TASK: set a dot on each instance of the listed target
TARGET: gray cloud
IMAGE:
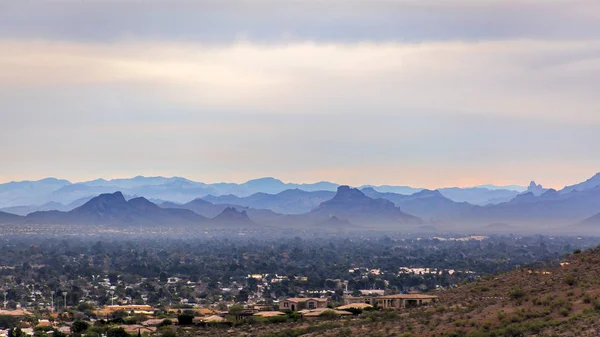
(325, 21)
(429, 93)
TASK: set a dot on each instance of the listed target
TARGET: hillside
(553, 300)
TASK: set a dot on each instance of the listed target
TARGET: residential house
(296, 304)
(397, 301)
(404, 300)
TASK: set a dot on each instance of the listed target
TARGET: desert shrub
(460, 323)
(570, 280)
(345, 332)
(478, 334)
(166, 331)
(165, 322)
(277, 319)
(517, 294)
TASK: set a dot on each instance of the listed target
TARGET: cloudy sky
(427, 93)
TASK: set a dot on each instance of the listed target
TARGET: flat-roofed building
(400, 301)
(397, 301)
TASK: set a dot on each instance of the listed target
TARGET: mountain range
(348, 207)
(36, 195)
(114, 210)
(537, 208)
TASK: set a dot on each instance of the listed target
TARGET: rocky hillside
(547, 300)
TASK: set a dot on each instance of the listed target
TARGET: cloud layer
(429, 93)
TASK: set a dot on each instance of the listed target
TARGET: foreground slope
(557, 299)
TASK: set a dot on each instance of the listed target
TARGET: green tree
(242, 296)
(185, 319)
(15, 332)
(236, 311)
(8, 321)
(79, 326)
(116, 332)
(165, 322)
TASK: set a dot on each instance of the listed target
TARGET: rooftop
(409, 297)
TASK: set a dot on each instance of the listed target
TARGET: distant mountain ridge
(181, 190)
(293, 201)
(113, 209)
(427, 204)
(586, 185)
(347, 208)
(297, 206)
(354, 206)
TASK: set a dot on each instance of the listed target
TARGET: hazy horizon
(524, 185)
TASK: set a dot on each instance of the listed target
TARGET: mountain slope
(592, 222)
(425, 204)
(29, 192)
(353, 205)
(231, 217)
(210, 210)
(478, 195)
(552, 207)
(112, 209)
(586, 185)
(9, 218)
(294, 201)
(24, 210)
(199, 206)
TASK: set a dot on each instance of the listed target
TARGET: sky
(428, 93)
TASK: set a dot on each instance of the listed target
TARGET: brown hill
(558, 299)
